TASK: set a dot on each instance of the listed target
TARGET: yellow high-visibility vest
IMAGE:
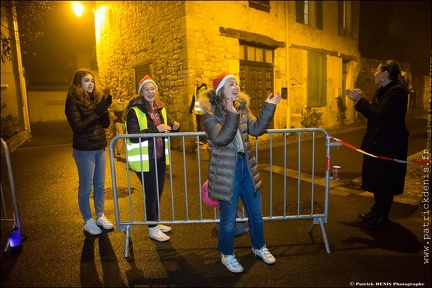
(197, 108)
(138, 153)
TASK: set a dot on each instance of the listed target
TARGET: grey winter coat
(221, 128)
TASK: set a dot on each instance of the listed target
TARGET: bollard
(15, 239)
(336, 172)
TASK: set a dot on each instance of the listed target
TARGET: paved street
(57, 253)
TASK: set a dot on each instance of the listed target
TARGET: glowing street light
(78, 9)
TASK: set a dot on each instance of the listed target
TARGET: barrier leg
(320, 221)
(126, 251)
(6, 246)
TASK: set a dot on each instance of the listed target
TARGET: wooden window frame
(260, 5)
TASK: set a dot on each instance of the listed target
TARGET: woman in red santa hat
(233, 170)
(147, 114)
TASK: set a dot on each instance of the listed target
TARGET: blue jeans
(243, 188)
(91, 173)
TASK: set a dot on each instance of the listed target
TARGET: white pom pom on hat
(220, 80)
(145, 80)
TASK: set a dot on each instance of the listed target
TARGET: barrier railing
(14, 238)
(293, 189)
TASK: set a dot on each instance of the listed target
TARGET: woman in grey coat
(233, 170)
(386, 135)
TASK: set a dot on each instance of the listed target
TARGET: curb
(17, 140)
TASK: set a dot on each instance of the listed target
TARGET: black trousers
(383, 203)
(153, 187)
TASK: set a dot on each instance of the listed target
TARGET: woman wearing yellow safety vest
(147, 114)
(194, 106)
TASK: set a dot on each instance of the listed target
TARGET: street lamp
(78, 9)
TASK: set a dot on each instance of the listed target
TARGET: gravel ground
(416, 175)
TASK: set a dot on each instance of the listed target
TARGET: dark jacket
(88, 128)
(221, 128)
(386, 135)
(132, 124)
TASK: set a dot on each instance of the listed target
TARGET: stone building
(308, 50)
(14, 113)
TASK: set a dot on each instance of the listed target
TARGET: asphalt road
(57, 253)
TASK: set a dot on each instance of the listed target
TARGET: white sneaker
(104, 222)
(265, 255)
(156, 234)
(164, 228)
(91, 227)
(231, 263)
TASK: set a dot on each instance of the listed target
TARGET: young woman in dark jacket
(386, 135)
(86, 112)
(233, 171)
(147, 114)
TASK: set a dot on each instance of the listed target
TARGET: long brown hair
(221, 99)
(77, 92)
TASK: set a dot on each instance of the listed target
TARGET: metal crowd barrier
(286, 196)
(14, 238)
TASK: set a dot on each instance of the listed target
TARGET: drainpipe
(287, 45)
(23, 88)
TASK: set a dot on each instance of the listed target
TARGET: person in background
(117, 111)
(147, 114)
(233, 170)
(195, 108)
(86, 110)
(386, 135)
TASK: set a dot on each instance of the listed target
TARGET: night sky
(64, 35)
(398, 30)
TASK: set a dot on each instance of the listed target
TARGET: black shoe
(368, 216)
(377, 223)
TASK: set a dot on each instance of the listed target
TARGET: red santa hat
(220, 80)
(145, 80)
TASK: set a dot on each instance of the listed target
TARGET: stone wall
(13, 108)
(137, 36)
(179, 40)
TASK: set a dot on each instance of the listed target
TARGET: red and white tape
(427, 162)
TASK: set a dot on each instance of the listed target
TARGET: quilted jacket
(88, 129)
(221, 128)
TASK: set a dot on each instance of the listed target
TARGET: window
(317, 76)
(302, 12)
(319, 15)
(348, 18)
(310, 13)
(260, 5)
(256, 54)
